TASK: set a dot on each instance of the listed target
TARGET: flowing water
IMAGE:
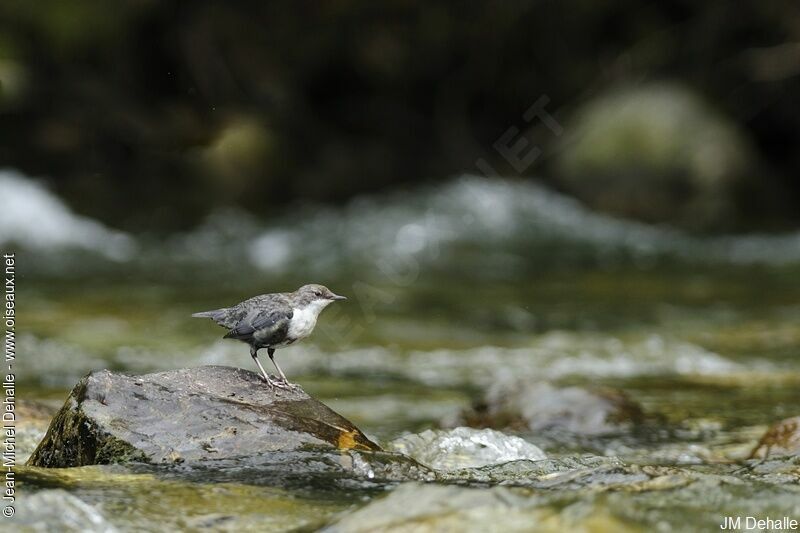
(453, 290)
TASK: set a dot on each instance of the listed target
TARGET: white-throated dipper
(272, 321)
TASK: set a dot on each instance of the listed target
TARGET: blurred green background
(148, 115)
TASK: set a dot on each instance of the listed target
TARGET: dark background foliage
(148, 114)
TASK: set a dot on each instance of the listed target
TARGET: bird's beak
(337, 297)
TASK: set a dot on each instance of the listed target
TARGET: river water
(453, 290)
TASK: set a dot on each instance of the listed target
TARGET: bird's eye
(317, 293)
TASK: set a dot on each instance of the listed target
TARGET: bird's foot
(285, 385)
(271, 383)
(281, 383)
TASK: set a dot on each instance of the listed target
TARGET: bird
(273, 321)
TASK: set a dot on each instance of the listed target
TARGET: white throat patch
(304, 319)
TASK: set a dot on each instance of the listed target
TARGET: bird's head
(315, 295)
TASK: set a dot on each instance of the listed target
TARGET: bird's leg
(271, 352)
(254, 355)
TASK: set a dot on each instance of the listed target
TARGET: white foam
(465, 448)
(496, 217)
(33, 217)
(500, 224)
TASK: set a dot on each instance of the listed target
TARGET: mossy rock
(525, 406)
(195, 414)
(661, 154)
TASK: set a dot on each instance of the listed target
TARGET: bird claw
(269, 382)
(285, 385)
(279, 383)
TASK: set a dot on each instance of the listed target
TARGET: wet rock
(540, 407)
(421, 508)
(595, 496)
(598, 473)
(192, 414)
(465, 448)
(271, 492)
(333, 469)
(582, 471)
(782, 438)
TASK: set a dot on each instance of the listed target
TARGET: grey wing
(260, 320)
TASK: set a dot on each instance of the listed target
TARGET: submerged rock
(204, 413)
(782, 438)
(579, 471)
(541, 406)
(593, 496)
(465, 448)
(413, 507)
(272, 492)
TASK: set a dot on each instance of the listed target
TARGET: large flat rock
(195, 414)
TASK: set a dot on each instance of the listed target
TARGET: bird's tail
(213, 315)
